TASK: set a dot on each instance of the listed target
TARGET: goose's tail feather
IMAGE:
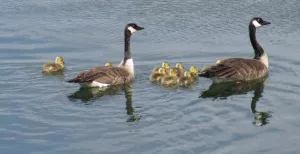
(73, 80)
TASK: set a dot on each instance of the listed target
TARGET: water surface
(44, 114)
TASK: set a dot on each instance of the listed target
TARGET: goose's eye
(258, 20)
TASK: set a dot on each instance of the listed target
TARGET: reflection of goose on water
(89, 95)
(260, 118)
(241, 69)
(226, 89)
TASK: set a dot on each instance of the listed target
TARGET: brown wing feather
(237, 69)
(107, 75)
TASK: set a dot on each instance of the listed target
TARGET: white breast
(264, 59)
(129, 66)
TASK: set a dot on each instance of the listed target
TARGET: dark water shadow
(224, 90)
(89, 95)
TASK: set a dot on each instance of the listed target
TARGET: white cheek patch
(131, 29)
(256, 24)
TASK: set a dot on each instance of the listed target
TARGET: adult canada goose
(56, 66)
(242, 69)
(171, 79)
(115, 75)
(187, 79)
(157, 76)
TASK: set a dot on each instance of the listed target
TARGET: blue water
(44, 114)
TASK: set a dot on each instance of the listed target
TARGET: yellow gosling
(194, 72)
(165, 65)
(56, 66)
(171, 79)
(180, 69)
(219, 62)
(108, 64)
(157, 76)
(186, 80)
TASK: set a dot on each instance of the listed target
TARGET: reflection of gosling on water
(187, 79)
(56, 66)
(194, 72)
(165, 65)
(157, 76)
(171, 79)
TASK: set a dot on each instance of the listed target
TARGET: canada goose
(187, 79)
(242, 69)
(115, 75)
(171, 79)
(194, 72)
(108, 64)
(180, 69)
(56, 66)
(157, 76)
(165, 65)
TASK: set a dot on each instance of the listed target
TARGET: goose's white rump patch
(98, 84)
(95, 84)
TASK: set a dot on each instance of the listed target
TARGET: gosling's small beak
(266, 22)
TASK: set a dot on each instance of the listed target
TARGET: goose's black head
(258, 22)
(132, 27)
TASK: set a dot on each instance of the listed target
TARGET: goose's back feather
(236, 69)
(105, 75)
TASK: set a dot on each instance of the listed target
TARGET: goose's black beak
(139, 28)
(266, 22)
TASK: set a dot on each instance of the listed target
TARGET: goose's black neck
(258, 50)
(127, 53)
